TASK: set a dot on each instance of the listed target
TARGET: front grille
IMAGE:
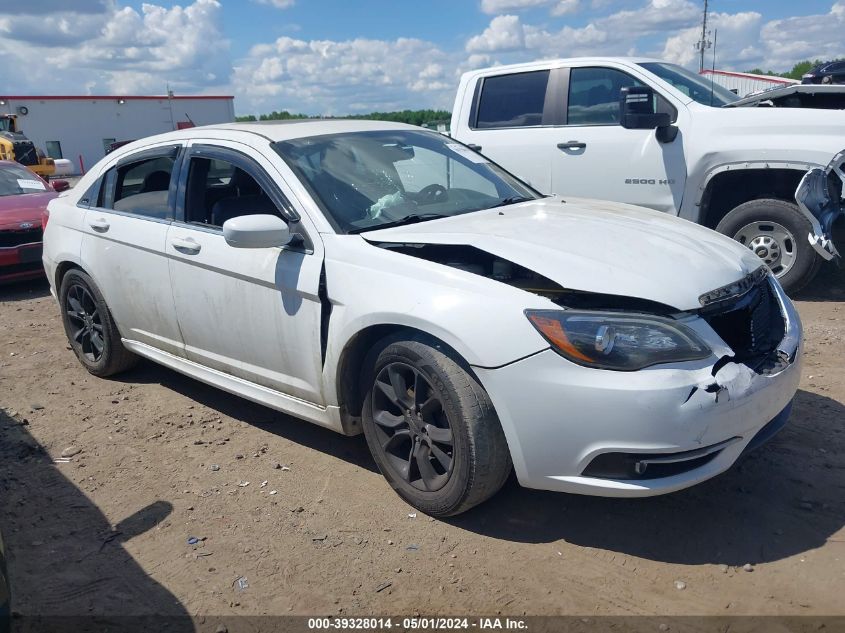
(752, 324)
(25, 153)
(26, 267)
(16, 238)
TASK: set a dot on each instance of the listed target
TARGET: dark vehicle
(827, 73)
(113, 146)
(825, 97)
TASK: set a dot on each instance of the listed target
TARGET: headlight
(623, 342)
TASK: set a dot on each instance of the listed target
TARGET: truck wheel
(777, 232)
(431, 428)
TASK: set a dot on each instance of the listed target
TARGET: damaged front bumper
(649, 432)
(821, 198)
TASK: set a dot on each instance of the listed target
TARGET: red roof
(108, 97)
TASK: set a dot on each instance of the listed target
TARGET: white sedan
(377, 277)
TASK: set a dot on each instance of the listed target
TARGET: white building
(744, 84)
(79, 128)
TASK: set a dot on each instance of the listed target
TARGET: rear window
(140, 187)
(513, 100)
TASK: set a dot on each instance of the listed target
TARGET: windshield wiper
(408, 219)
(510, 200)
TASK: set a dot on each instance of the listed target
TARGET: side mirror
(60, 185)
(256, 231)
(637, 109)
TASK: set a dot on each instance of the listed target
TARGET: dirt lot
(164, 458)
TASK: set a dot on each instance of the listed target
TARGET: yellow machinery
(14, 145)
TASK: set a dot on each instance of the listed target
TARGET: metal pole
(170, 103)
(703, 38)
(713, 71)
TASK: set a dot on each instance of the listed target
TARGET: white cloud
(745, 40)
(669, 29)
(119, 50)
(656, 16)
(339, 77)
(103, 46)
(565, 7)
(805, 37)
(505, 33)
(558, 7)
(493, 7)
(279, 4)
(737, 43)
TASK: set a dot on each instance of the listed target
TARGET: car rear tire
(90, 328)
(431, 427)
(777, 231)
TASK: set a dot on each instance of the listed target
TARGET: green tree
(798, 70)
(801, 68)
(414, 117)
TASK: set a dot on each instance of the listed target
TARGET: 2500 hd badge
(649, 181)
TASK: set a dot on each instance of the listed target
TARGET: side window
(218, 190)
(139, 187)
(513, 100)
(594, 95)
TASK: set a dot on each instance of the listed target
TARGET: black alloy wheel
(430, 425)
(412, 427)
(84, 316)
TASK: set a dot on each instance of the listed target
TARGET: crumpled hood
(596, 246)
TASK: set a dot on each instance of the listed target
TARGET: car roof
(287, 130)
(561, 61)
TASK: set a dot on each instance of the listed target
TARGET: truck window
(594, 95)
(514, 100)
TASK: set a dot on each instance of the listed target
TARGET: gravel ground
(153, 458)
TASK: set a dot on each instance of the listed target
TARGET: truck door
(509, 123)
(595, 157)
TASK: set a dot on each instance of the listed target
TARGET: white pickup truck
(654, 134)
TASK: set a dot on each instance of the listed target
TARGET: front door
(510, 124)
(125, 230)
(251, 313)
(596, 157)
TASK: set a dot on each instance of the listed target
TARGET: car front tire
(777, 232)
(90, 328)
(431, 427)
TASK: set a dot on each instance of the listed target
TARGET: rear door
(125, 227)
(251, 313)
(510, 122)
(595, 157)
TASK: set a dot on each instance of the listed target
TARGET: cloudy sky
(348, 56)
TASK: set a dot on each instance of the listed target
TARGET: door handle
(101, 226)
(474, 147)
(187, 246)
(572, 145)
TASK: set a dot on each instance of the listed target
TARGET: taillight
(45, 215)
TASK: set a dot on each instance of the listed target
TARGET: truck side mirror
(637, 109)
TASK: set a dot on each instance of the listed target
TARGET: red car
(23, 204)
